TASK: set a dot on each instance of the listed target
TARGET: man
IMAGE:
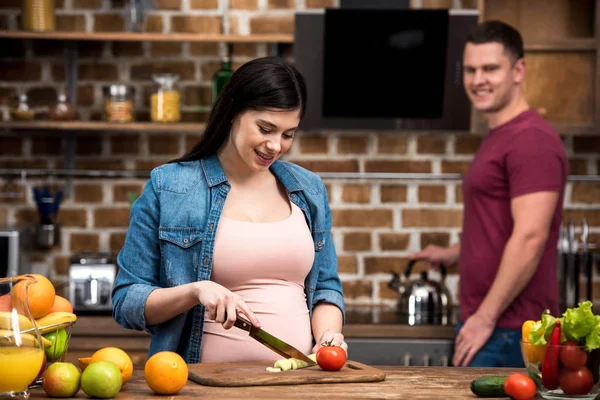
(512, 195)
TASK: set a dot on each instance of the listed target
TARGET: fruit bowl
(56, 337)
(574, 375)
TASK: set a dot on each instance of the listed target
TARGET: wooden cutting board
(254, 374)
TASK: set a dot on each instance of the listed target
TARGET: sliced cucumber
(288, 364)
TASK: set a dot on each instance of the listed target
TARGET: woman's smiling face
(261, 137)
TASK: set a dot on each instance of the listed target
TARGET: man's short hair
(499, 32)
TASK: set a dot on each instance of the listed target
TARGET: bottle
(22, 111)
(62, 110)
(165, 101)
(221, 77)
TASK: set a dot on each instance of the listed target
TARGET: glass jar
(62, 110)
(21, 111)
(118, 103)
(38, 15)
(165, 101)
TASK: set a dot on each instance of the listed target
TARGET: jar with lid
(21, 111)
(165, 101)
(62, 110)
(118, 103)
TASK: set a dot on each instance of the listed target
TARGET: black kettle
(421, 300)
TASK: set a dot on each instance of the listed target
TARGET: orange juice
(18, 367)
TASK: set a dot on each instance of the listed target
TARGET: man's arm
(532, 215)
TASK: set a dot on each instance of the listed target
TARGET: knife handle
(241, 323)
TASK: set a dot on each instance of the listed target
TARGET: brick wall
(376, 222)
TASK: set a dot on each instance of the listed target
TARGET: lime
(59, 340)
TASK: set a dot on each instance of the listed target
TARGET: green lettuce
(592, 340)
(541, 331)
(578, 324)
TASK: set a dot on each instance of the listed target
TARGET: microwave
(14, 242)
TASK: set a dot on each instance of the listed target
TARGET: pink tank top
(266, 263)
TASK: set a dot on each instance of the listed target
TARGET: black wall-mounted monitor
(384, 68)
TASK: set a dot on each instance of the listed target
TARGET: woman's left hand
(332, 338)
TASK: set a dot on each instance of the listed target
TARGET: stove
(427, 344)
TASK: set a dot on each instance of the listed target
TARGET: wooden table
(418, 383)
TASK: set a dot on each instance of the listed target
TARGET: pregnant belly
(282, 312)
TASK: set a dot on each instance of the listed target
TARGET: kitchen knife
(270, 341)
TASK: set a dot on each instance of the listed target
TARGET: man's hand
(436, 255)
(471, 338)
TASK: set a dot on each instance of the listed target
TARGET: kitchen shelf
(148, 36)
(83, 126)
(584, 44)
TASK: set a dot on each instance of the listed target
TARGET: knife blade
(265, 338)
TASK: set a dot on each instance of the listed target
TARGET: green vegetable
(289, 364)
(489, 386)
(578, 324)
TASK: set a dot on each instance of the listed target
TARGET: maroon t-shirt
(522, 156)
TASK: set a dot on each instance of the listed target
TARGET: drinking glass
(21, 347)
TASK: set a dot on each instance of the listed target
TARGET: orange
(40, 296)
(166, 372)
(117, 357)
(84, 362)
(5, 303)
(61, 304)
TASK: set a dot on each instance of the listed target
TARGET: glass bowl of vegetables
(562, 355)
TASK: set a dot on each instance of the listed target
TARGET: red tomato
(572, 356)
(520, 387)
(575, 381)
(331, 358)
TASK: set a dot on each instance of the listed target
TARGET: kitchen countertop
(401, 382)
(361, 322)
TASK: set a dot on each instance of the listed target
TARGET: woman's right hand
(222, 305)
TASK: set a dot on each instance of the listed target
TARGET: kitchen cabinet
(562, 55)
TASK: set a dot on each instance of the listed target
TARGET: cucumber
(489, 386)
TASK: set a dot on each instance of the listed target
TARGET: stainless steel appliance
(14, 242)
(422, 300)
(91, 278)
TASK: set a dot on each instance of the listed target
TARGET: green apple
(101, 379)
(61, 379)
(59, 339)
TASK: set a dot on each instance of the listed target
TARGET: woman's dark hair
(499, 32)
(267, 83)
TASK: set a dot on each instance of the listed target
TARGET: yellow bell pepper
(532, 353)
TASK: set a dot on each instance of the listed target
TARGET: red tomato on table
(331, 358)
(520, 387)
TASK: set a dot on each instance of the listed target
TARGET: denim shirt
(171, 238)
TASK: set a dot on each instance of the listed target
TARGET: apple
(61, 379)
(59, 344)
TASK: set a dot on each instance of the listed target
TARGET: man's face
(490, 77)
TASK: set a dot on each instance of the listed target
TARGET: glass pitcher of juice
(21, 346)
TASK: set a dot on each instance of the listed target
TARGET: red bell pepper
(550, 364)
